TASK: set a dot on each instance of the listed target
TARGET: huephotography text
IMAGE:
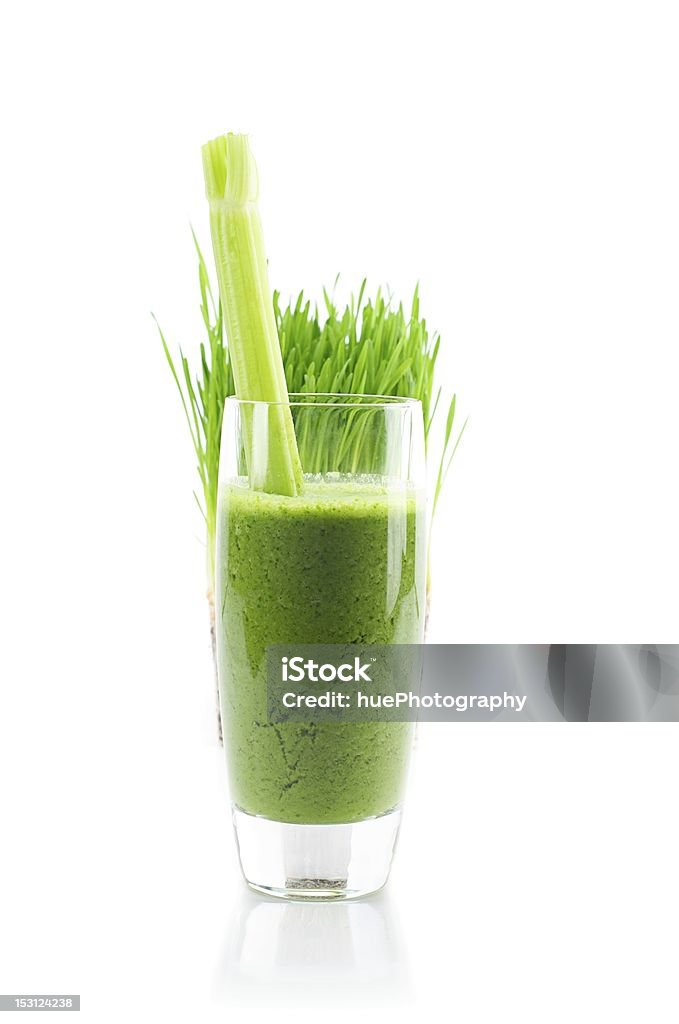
(473, 682)
(413, 701)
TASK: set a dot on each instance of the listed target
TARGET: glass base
(316, 862)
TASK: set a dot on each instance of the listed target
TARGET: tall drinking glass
(317, 805)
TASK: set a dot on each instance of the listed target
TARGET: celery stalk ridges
(232, 188)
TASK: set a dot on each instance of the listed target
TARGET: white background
(519, 159)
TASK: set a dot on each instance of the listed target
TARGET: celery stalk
(232, 190)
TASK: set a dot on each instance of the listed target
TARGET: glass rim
(301, 399)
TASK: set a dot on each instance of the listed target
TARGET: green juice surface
(342, 563)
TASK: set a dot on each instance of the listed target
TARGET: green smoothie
(342, 563)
